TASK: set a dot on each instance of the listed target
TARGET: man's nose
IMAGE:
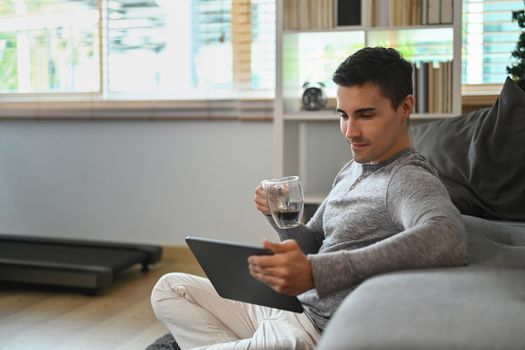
(352, 129)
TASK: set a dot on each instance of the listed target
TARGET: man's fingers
(267, 271)
(274, 282)
(277, 284)
(260, 191)
(287, 271)
(277, 259)
(260, 200)
(281, 247)
(264, 261)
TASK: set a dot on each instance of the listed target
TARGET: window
(49, 46)
(185, 49)
(177, 49)
(489, 36)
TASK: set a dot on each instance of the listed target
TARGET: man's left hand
(288, 271)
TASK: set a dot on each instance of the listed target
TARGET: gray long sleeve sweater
(377, 218)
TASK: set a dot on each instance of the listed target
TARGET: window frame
(481, 94)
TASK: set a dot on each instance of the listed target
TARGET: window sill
(245, 110)
(479, 95)
(478, 100)
(256, 109)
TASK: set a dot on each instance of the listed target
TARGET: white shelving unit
(309, 144)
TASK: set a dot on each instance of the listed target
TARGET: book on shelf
(348, 12)
(432, 87)
(433, 8)
(311, 14)
(379, 13)
(290, 20)
(422, 87)
(447, 11)
(392, 12)
(440, 84)
(389, 13)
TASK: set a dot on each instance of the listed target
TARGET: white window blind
(49, 46)
(191, 48)
(489, 37)
(233, 45)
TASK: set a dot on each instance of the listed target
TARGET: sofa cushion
(480, 306)
(495, 243)
(458, 308)
(481, 156)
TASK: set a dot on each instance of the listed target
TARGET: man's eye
(343, 116)
(366, 116)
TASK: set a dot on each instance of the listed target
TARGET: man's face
(370, 125)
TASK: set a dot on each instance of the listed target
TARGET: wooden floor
(119, 318)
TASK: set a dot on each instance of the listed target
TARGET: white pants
(198, 318)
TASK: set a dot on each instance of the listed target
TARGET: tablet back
(226, 266)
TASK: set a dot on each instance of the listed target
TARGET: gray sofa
(479, 306)
(481, 160)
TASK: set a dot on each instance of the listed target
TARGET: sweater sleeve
(432, 234)
(310, 237)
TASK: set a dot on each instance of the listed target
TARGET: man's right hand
(260, 200)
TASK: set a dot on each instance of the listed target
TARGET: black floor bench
(88, 265)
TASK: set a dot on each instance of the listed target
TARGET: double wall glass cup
(285, 199)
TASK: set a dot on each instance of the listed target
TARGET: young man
(387, 211)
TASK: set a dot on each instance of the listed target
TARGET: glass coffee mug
(285, 199)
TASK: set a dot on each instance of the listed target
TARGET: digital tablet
(226, 266)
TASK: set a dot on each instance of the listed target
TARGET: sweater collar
(368, 167)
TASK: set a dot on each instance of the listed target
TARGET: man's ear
(407, 105)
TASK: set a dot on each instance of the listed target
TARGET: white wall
(134, 181)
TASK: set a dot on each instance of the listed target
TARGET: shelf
(332, 116)
(312, 116)
(324, 30)
(420, 116)
(414, 27)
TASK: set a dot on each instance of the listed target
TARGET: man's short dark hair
(384, 67)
